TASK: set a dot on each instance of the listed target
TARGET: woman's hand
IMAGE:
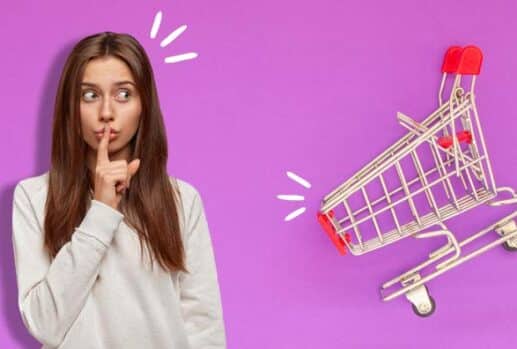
(112, 178)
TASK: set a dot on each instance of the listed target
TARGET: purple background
(311, 87)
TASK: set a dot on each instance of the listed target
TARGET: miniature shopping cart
(438, 170)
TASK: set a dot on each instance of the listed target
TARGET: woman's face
(109, 96)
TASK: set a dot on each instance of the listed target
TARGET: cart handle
(328, 227)
(470, 61)
(451, 60)
(464, 61)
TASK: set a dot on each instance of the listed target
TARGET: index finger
(102, 150)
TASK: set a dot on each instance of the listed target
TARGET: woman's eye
(125, 92)
(122, 95)
(87, 95)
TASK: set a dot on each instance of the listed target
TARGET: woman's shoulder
(35, 186)
(32, 193)
(187, 195)
(187, 190)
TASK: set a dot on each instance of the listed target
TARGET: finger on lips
(103, 159)
(102, 151)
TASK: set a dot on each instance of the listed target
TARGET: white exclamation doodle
(291, 197)
(170, 38)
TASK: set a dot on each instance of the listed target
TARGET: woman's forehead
(107, 71)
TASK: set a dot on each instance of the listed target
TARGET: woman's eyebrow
(116, 83)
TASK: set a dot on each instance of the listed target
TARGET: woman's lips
(99, 135)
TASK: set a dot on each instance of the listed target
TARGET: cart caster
(424, 310)
(508, 228)
(509, 247)
(422, 303)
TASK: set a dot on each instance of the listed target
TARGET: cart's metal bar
(445, 175)
(410, 183)
(473, 146)
(395, 191)
(436, 149)
(418, 129)
(419, 267)
(440, 99)
(389, 152)
(423, 180)
(469, 177)
(448, 250)
(439, 167)
(428, 220)
(459, 156)
(374, 219)
(407, 192)
(465, 120)
(418, 191)
(372, 174)
(455, 143)
(482, 138)
(467, 125)
(352, 220)
(475, 151)
(388, 199)
(511, 200)
(440, 91)
(451, 265)
(456, 149)
(460, 174)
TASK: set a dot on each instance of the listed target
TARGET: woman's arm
(199, 290)
(52, 294)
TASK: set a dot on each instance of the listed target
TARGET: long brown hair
(151, 204)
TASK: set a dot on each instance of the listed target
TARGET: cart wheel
(427, 312)
(509, 248)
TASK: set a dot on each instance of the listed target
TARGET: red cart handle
(451, 60)
(470, 61)
(464, 61)
(324, 220)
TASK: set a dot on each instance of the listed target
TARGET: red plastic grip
(470, 61)
(464, 61)
(463, 136)
(331, 232)
(451, 59)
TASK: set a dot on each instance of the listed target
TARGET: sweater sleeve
(51, 294)
(199, 290)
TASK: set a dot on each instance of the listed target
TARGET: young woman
(110, 251)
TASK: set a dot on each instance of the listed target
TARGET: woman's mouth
(99, 135)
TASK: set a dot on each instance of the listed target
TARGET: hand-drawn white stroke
(294, 214)
(156, 24)
(291, 197)
(172, 36)
(179, 58)
(298, 179)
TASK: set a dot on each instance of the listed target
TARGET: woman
(79, 230)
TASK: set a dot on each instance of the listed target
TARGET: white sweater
(97, 294)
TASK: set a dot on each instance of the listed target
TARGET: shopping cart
(438, 170)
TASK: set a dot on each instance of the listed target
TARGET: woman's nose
(106, 112)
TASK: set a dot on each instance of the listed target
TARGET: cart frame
(461, 154)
